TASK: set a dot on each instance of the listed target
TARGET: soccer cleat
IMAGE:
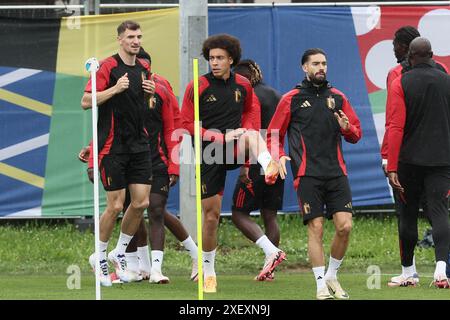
(145, 275)
(441, 282)
(271, 263)
(105, 279)
(194, 272)
(324, 294)
(134, 276)
(271, 277)
(114, 278)
(272, 172)
(120, 264)
(210, 285)
(158, 277)
(336, 289)
(402, 281)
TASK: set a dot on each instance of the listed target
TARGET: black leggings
(434, 183)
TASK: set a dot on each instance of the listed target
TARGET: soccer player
(124, 151)
(227, 115)
(160, 123)
(317, 115)
(402, 39)
(251, 191)
(419, 154)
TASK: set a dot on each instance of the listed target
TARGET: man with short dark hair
(402, 39)
(419, 154)
(316, 116)
(228, 136)
(124, 152)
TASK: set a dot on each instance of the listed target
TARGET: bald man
(419, 154)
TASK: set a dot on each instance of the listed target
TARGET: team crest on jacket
(152, 102)
(237, 95)
(331, 104)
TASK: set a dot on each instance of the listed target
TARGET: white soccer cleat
(402, 281)
(134, 276)
(105, 279)
(158, 277)
(120, 264)
(145, 275)
(441, 282)
(324, 294)
(336, 289)
(194, 272)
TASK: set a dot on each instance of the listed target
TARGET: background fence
(42, 77)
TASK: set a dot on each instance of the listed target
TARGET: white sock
(208, 263)
(132, 261)
(408, 271)
(319, 276)
(157, 259)
(267, 246)
(333, 267)
(264, 159)
(414, 264)
(122, 243)
(144, 259)
(103, 247)
(190, 247)
(440, 269)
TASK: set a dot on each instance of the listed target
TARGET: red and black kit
(224, 105)
(306, 113)
(121, 130)
(161, 120)
(257, 194)
(419, 150)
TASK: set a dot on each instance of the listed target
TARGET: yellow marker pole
(198, 199)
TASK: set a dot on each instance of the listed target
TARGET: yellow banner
(83, 37)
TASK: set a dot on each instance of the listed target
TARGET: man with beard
(316, 115)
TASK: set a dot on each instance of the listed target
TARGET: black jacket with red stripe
(160, 122)
(419, 132)
(401, 68)
(121, 118)
(161, 119)
(224, 105)
(306, 113)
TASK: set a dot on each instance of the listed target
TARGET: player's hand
(173, 179)
(122, 84)
(243, 175)
(149, 85)
(90, 173)
(394, 182)
(283, 170)
(342, 119)
(234, 134)
(84, 154)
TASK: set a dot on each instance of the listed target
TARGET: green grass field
(287, 286)
(34, 258)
